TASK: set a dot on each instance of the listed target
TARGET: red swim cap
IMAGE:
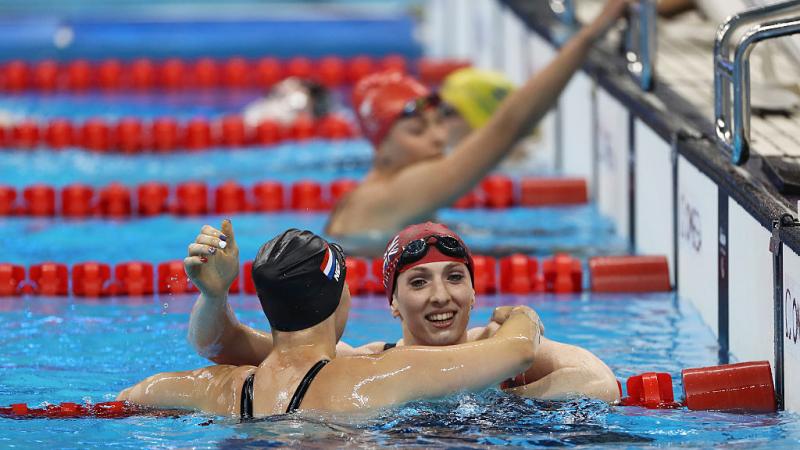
(391, 257)
(379, 100)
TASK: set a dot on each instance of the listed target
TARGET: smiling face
(434, 301)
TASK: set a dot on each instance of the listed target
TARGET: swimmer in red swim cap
(411, 177)
(428, 273)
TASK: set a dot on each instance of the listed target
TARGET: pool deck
(680, 108)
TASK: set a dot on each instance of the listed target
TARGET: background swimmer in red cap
(300, 280)
(428, 281)
(411, 177)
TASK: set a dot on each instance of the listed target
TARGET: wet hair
(299, 279)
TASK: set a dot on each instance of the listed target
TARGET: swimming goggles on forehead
(416, 250)
(417, 106)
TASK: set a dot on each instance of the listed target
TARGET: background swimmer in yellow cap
(474, 95)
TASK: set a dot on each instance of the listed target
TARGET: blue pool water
(71, 349)
(57, 349)
(112, 29)
(580, 231)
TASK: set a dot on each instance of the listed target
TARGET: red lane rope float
(742, 387)
(69, 410)
(629, 274)
(739, 388)
(517, 274)
(650, 390)
(548, 191)
(131, 135)
(136, 278)
(206, 73)
(196, 198)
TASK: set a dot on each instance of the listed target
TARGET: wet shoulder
(346, 384)
(223, 392)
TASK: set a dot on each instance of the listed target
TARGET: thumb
(227, 230)
(501, 313)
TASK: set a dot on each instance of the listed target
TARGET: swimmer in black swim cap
(298, 261)
(300, 282)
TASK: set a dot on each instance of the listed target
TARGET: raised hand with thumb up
(213, 260)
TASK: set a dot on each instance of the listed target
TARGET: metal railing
(732, 106)
(640, 43)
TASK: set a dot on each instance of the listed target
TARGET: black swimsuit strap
(246, 402)
(305, 383)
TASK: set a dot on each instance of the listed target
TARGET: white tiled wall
(458, 16)
(541, 53)
(515, 64)
(791, 329)
(653, 203)
(698, 234)
(750, 287)
(577, 128)
(613, 182)
(484, 34)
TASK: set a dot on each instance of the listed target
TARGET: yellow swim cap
(475, 93)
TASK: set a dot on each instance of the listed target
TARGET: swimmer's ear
(393, 306)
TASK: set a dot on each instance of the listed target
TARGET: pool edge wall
(654, 171)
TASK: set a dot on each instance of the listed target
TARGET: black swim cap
(299, 279)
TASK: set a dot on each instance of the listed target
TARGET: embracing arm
(415, 373)
(563, 370)
(445, 179)
(206, 389)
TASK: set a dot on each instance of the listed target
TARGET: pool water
(72, 349)
(59, 349)
(32, 240)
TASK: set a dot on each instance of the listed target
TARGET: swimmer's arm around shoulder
(344, 349)
(191, 389)
(414, 372)
(563, 370)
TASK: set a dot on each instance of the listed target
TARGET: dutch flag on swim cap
(328, 266)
